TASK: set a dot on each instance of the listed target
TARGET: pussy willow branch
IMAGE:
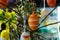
(46, 16)
(49, 24)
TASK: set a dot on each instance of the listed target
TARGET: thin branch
(49, 24)
(41, 36)
(47, 16)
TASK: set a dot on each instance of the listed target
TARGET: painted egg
(33, 21)
(51, 3)
(4, 2)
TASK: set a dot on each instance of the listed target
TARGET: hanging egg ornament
(33, 21)
(3, 3)
(51, 3)
(25, 36)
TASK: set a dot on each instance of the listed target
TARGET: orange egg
(51, 3)
(2, 6)
(33, 21)
(3, 3)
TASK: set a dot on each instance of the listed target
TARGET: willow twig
(49, 24)
(47, 16)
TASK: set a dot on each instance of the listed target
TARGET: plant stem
(46, 16)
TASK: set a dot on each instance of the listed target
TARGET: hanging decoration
(51, 3)
(3, 3)
(33, 21)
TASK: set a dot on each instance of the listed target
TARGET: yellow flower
(13, 13)
(42, 12)
(0, 23)
(7, 26)
(8, 15)
(5, 34)
(46, 23)
(1, 11)
(14, 26)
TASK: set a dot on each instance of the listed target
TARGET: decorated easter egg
(51, 3)
(3, 2)
(33, 21)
